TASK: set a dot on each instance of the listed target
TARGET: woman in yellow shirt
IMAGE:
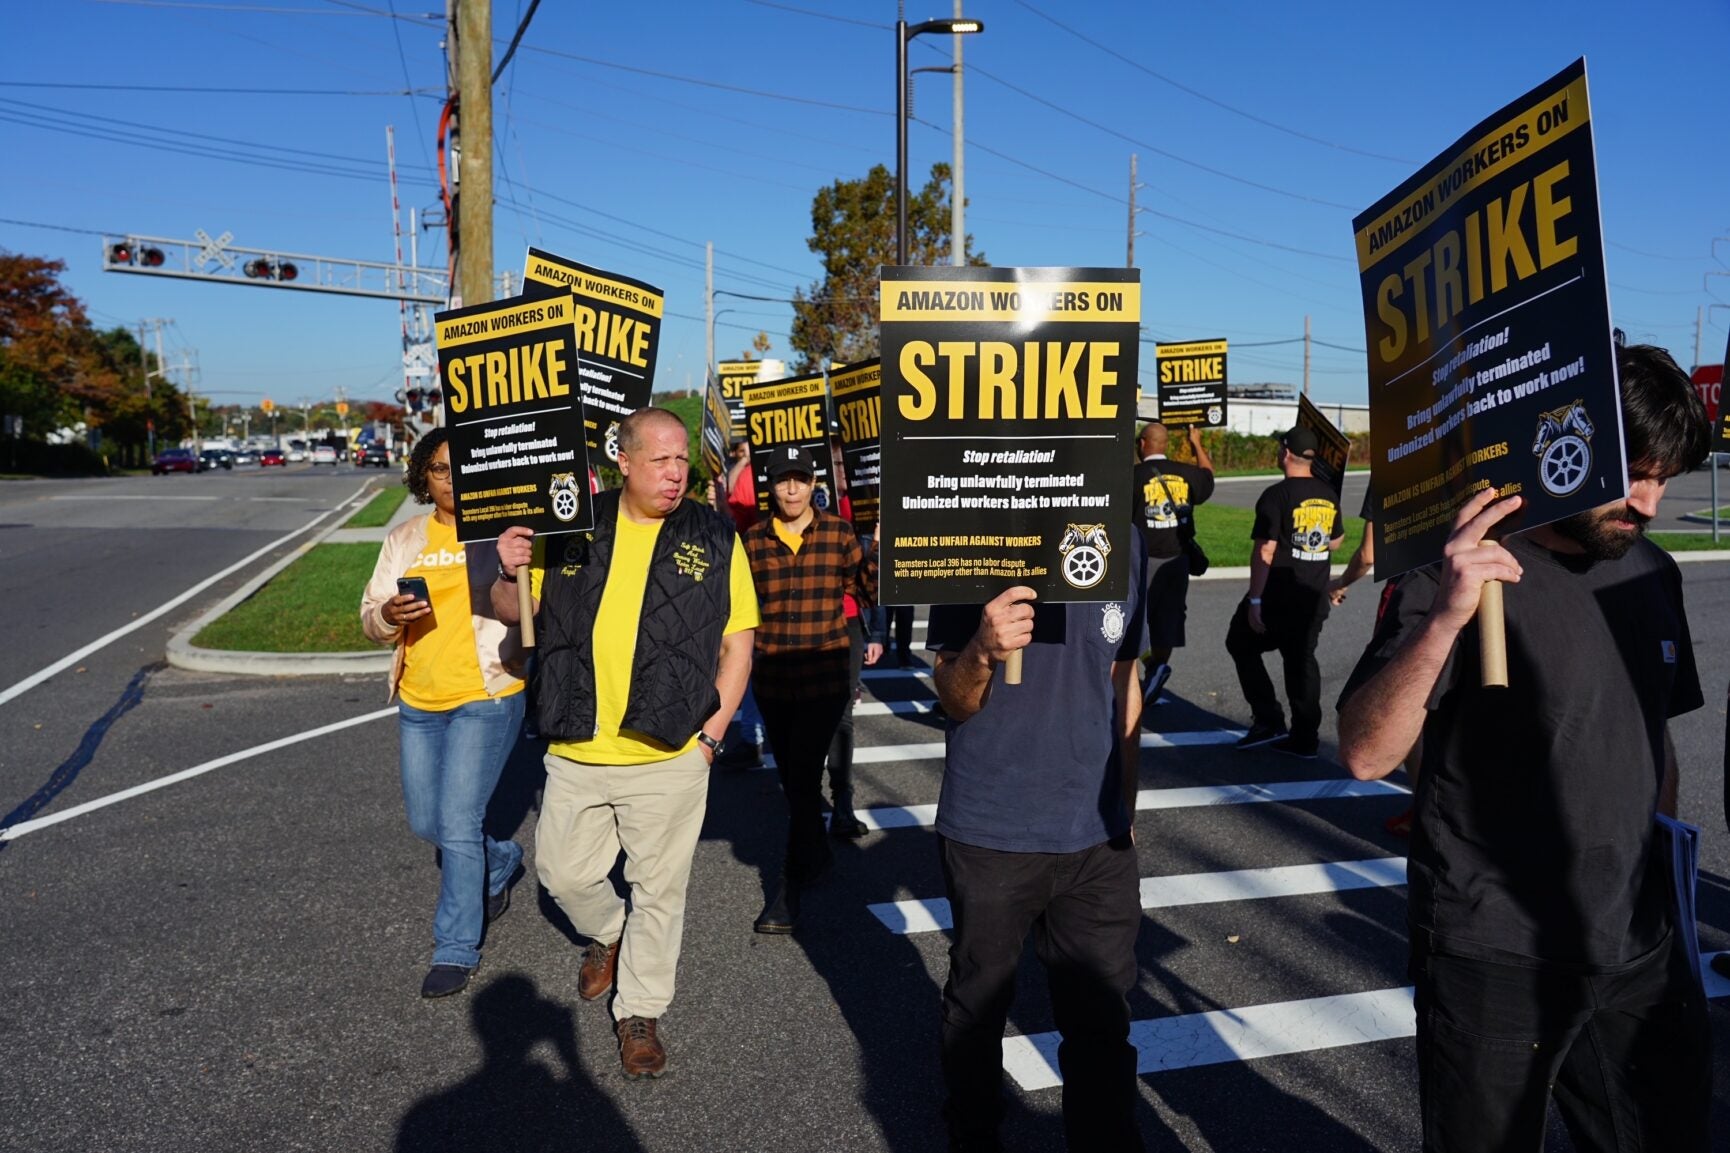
(457, 672)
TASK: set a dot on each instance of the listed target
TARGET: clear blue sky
(632, 171)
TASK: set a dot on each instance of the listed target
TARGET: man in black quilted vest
(645, 633)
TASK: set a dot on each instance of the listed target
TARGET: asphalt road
(231, 962)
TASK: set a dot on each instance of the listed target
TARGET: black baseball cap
(791, 458)
(1301, 442)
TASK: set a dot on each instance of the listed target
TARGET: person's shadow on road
(515, 1100)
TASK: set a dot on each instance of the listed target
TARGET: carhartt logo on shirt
(1669, 648)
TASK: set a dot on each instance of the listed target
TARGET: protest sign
(1334, 446)
(1191, 377)
(857, 394)
(618, 326)
(736, 376)
(782, 414)
(1719, 411)
(1008, 405)
(716, 435)
(1487, 315)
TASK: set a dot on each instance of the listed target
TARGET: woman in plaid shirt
(803, 561)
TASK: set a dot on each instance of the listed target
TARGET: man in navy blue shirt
(1034, 829)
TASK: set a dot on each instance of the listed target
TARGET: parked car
(296, 455)
(174, 460)
(246, 458)
(215, 458)
(272, 456)
(323, 454)
(372, 453)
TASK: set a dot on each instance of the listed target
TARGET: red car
(272, 456)
(174, 460)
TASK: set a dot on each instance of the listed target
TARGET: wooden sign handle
(1012, 668)
(1492, 637)
(525, 608)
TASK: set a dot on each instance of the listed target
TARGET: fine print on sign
(791, 413)
(736, 376)
(618, 325)
(717, 430)
(517, 449)
(1487, 315)
(1335, 447)
(1008, 410)
(857, 394)
(1191, 378)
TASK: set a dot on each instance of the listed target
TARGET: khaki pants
(654, 813)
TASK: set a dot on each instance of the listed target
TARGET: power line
(211, 91)
(259, 10)
(522, 27)
(1653, 255)
(715, 84)
(1199, 95)
(1657, 291)
(822, 15)
(57, 227)
(402, 58)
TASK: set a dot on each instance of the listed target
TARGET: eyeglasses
(440, 470)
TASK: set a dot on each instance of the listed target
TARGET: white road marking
(934, 914)
(923, 672)
(119, 496)
(22, 827)
(1255, 1031)
(73, 658)
(933, 750)
(1148, 800)
(893, 708)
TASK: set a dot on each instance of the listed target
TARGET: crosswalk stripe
(1225, 1035)
(933, 750)
(934, 914)
(923, 672)
(893, 708)
(1192, 797)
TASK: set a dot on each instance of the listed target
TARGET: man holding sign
(646, 631)
(1008, 398)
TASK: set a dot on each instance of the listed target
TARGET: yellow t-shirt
(785, 531)
(615, 646)
(441, 670)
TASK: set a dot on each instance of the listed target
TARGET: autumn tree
(853, 230)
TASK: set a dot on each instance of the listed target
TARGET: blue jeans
(751, 717)
(451, 762)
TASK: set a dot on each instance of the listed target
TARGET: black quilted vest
(685, 609)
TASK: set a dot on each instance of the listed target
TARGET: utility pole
(1129, 261)
(709, 306)
(1306, 355)
(150, 421)
(1699, 334)
(474, 66)
(958, 198)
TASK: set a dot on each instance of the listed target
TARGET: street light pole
(903, 35)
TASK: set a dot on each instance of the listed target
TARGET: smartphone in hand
(414, 587)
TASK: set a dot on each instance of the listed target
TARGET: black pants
(841, 747)
(800, 732)
(902, 615)
(1083, 909)
(1294, 625)
(1628, 1057)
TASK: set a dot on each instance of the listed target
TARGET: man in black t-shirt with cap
(1297, 528)
(1544, 950)
(1166, 491)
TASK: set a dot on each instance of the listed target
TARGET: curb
(183, 654)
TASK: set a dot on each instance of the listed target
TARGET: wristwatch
(705, 739)
(505, 576)
(1255, 600)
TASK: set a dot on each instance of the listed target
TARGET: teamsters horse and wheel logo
(1084, 548)
(1564, 448)
(562, 491)
(610, 442)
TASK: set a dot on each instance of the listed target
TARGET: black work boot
(842, 822)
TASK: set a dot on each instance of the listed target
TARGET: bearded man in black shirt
(1544, 951)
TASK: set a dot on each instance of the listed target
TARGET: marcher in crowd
(1297, 528)
(863, 648)
(1034, 830)
(1544, 950)
(645, 627)
(1165, 491)
(457, 675)
(745, 749)
(804, 561)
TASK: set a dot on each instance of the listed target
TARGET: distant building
(1267, 409)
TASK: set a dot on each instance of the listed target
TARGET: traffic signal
(120, 254)
(263, 268)
(150, 257)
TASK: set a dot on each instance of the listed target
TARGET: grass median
(312, 606)
(376, 513)
(1223, 532)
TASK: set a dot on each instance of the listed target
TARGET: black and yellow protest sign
(1008, 414)
(512, 406)
(618, 324)
(717, 430)
(1191, 377)
(857, 396)
(1487, 315)
(736, 376)
(1721, 417)
(783, 414)
(1335, 447)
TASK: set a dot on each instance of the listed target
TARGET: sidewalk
(183, 654)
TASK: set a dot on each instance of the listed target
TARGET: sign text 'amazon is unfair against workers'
(1008, 406)
(1487, 315)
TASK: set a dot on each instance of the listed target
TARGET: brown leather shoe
(640, 1051)
(600, 967)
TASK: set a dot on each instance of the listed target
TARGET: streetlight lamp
(903, 35)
